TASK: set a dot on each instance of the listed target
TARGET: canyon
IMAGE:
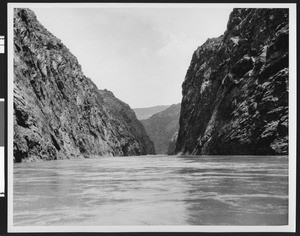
(234, 97)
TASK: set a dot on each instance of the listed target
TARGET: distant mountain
(162, 128)
(145, 113)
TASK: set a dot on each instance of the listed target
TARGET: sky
(141, 54)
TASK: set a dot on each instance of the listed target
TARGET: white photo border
(291, 227)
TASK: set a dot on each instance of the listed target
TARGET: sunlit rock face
(58, 112)
(235, 93)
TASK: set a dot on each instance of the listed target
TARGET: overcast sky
(140, 54)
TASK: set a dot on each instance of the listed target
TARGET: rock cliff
(162, 126)
(235, 93)
(58, 112)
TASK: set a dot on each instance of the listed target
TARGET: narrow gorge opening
(162, 125)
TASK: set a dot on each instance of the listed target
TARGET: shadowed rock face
(235, 93)
(161, 127)
(58, 112)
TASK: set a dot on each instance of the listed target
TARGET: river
(152, 190)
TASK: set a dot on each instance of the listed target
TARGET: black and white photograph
(151, 117)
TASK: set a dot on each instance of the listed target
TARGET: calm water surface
(152, 190)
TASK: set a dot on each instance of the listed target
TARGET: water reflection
(152, 191)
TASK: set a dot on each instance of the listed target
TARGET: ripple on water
(149, 190)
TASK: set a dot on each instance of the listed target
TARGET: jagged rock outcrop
(58, 112)
(235, 93)
(162, 126)
(145, 113)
